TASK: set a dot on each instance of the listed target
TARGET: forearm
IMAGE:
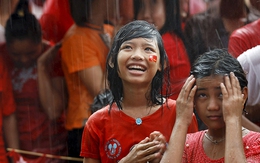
(234, 151)
(10, 131)
(176, 144)
(52, 100)
(93, 79)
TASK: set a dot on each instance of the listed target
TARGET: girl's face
(208, 101)
(138, 61)
(152, 11)
(24, 53)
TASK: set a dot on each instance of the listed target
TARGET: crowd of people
(130, 81)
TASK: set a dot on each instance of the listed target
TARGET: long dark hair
(137, 29)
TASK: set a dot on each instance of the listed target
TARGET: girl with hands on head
(217, 89)
(137, 125)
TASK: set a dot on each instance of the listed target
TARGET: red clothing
(244, 38)
(179, 62)
(109, 135)
(36, 132)
(194, 152)
(55, 19)
(7, 105)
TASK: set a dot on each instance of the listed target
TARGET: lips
(214, 117)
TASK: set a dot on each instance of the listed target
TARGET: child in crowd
(217, 89)
(38, 85)
(137, 69)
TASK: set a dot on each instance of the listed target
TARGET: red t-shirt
(194, 152)
(7, 105)
(109, 135)
(244, 38)
(179, 62)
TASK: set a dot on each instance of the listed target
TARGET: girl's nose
(137, 55)
(213, 104)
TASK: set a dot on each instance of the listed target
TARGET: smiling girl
(137, 125)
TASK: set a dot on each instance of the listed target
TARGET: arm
(52, 91)
(233, 102)
(184, 116)
(10, 131)
(93, 79)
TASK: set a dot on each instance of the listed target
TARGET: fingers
(189, 83)
(231, 86)
(157, 136)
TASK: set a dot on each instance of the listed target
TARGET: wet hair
(137, 29)
(22, 25)
(218, 62)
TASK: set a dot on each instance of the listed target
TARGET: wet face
(24, 53)
(208, 101)
(152, 11)
(138, 61)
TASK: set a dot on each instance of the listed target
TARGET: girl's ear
(110, 63)
(245, 92)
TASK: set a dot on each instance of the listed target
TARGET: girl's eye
(201, 95)
(220, 95)
(149, 49)
(126, 47)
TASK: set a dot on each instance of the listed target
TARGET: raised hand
(185, 101)
(233, 101)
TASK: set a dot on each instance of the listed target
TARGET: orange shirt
(82, 48)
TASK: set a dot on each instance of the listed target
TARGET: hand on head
(185, 101)
(233, 98)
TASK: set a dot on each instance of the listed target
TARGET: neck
(217, 134)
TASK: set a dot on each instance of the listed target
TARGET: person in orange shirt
(84, 50)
